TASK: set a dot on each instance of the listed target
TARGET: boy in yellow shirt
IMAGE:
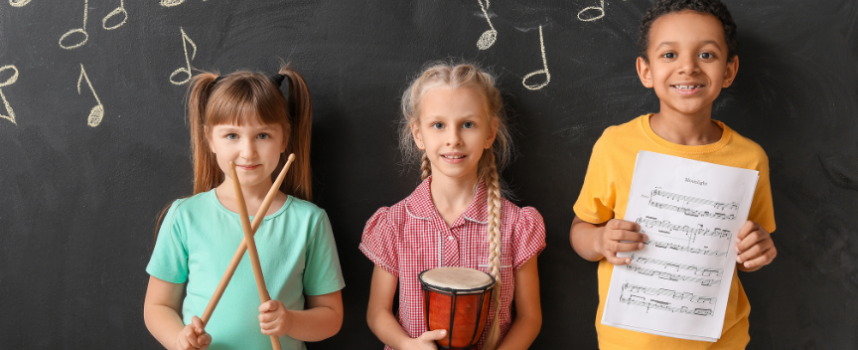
(687, 54)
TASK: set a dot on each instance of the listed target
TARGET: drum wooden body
(456, 299)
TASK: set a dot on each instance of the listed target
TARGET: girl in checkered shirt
(453, 121)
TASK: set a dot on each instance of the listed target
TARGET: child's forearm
(315, 324)
(385, 326)
(164, 323)
(585, 238)
(522, 333)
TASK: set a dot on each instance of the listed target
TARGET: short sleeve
(169, 261)
(597, 199)
(529, 236)
(762, 208)
(378, 242)
(322, 271)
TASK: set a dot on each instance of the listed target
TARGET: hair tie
(277, 79)
(218, 79)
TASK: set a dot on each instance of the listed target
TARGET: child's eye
(263, 136)
(437, 125)
(468, 125)
(231, 137)
(669, 55)
(706, 55)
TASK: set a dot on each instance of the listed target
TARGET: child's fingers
(751, 240)
(746, 229)
(623, 225)
(183, 342)
(267, 306)
(764, 259)
(755, 250)
(625, 247)
(191, 337)
(612, 258)
(198, 325)
(205, 340)
(434, 335)
(267, 317)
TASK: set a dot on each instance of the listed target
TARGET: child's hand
(426, 341)
(274, 318)
(193, 336)
(620, 236)
(755, 247)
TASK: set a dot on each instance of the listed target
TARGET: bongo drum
(456, 299)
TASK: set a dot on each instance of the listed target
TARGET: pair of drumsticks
(248, 244)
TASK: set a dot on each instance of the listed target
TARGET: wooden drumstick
(239, 253)
(251, 248)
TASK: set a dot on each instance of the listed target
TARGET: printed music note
(541, 71)
(600, 8)
(487, 39)
(19, 3)
(79, 30)
(186, 70)
(10, 81)
(117, 11)
(97, 112)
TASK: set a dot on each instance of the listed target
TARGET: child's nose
(454, 137)
(688, 65)
(248, 149)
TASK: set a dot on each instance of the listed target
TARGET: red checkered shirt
(411, 237)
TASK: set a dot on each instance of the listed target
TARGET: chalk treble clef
(10, 81)
(187, 69)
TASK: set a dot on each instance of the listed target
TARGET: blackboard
(80, 195)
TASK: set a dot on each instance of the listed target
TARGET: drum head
(457, 278)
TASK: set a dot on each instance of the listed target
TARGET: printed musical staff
(670, 293)
(187, 69)
(675, 277)
(81, 30)
(685, 248)
(116, 12)
(689, 200)
(600, 9)
(692, 212)
(487, 39)
(664, 264)
(627, 296)
(97, 112)
(665, 226)
(544, 69)
(11, 114)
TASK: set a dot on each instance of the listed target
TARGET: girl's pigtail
(493, 198)
(207, 174)
(425, 167)
(299, 181)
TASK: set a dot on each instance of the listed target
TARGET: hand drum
(456, 299)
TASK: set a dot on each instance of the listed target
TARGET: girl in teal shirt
(244, 118)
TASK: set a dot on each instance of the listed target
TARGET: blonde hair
(457, 76)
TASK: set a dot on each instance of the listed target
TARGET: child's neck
(253, 197)
(452, 196)
(686, 129)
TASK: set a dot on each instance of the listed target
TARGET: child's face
(454, 130)
(254, 148)
(688, 64)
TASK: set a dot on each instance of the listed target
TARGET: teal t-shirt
(297, 253)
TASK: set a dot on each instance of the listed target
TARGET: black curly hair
(713, 7)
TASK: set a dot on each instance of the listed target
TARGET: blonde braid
(493, 197)
(425, 167)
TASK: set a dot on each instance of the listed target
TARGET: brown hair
(234, 99)
(466, 76)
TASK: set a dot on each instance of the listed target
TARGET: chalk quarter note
(171, 3)
(97, 112)
(592, 13)
(10, 114)
(116, 12)
(187, 68)
(64, 43)
(487, 39)
(543, 71)
(19, 3)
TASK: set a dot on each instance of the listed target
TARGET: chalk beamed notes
(11, 114)
(187, 69)
(590, 16)
(487, 39)
(544, 69)
(19, 3)
(97, 112)
(82, 30)
(119, 10)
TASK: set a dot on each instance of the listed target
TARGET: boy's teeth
(687, 87)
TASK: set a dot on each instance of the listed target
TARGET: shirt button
(450, 238)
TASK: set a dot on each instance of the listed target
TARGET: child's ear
(418, 139)
(644, 73)
(731, 72)
(209, 139)
(493, 133)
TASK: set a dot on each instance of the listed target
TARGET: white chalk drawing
(171, 3)
(487, 39)
(187, 69)
(78, 30)
(19, 3)
(600, 8)
(544, 69)
(97, 112)
(117, 11)
(10, 81)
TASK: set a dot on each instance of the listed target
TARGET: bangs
(246, 99)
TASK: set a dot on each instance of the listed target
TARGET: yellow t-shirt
(606, 193)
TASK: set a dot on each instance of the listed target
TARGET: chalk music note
(10, 81)
(187, 70)
(600, 8)
(19, 3)
(171, 3)
(487, 39)
(97, 112)
(117, 11)
(541, 71)
(78, 30)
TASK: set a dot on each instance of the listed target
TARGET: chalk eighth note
(19, 3)
(187, 69)
(10, 81)
(97, 112)
(487, 39)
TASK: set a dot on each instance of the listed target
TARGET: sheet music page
(678, 284)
